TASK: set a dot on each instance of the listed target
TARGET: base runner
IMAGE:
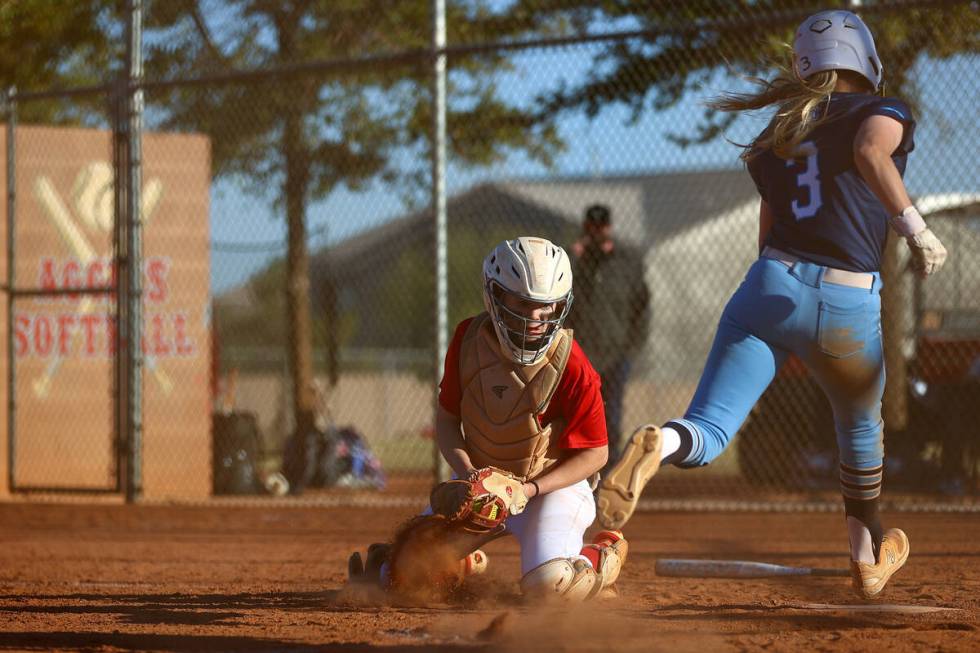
(829, 171)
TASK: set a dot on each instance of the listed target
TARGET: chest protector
(502, 401)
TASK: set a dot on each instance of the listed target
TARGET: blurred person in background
(611, 315)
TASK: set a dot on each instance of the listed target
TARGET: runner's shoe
(620, 491)
(869, 579)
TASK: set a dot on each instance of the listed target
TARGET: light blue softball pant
(834, 329)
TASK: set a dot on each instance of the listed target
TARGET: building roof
(484, 205)
(645, 208)
(944, 202)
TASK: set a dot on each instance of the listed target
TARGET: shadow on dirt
(185, 643)
(167, 610)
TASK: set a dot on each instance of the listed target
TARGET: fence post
(128, 162)
(10, 109)
(439, 466)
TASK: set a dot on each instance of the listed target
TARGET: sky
(248, 232)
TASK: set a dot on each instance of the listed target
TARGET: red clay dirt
(271, 577)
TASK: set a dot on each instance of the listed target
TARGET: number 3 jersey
(822, 209)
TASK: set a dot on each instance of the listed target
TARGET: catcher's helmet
(527, 290)
(836, 40)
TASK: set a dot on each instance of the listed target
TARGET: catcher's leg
(576, 579)
(568, 579)
(607, 553)
(550, 532)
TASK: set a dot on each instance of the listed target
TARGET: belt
(830, 275)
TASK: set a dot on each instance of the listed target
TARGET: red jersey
(577, 399)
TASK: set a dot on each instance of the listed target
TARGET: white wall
(691, 277)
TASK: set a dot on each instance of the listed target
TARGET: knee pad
(610, 549)
(567, 579)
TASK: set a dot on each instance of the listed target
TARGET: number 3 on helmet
(836, 40)
(527, 290)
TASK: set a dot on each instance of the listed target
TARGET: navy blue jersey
(822, 209)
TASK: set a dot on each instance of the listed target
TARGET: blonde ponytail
(796, 116)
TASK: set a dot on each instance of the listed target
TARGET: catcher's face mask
(527, 290)
(529, 325)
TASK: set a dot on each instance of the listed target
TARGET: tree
(306, 134)
(47, 44)
(689, 42)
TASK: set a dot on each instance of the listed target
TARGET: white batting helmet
(835, 40)
(527, 290)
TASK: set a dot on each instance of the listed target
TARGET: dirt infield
(155, 578)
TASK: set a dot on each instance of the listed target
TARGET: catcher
(521, 423)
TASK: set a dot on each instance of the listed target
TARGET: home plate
(874, 607)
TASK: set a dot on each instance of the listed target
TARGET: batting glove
(928, 253)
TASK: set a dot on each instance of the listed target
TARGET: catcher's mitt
(482, 502)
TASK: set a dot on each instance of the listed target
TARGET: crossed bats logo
(92, 199)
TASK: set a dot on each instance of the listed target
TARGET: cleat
(620, 491)
(369, 570)
(355, 567)
(868, 580)
(607, 593)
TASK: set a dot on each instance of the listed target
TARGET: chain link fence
(300, 149)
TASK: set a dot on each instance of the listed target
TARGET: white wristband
(909, 222)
